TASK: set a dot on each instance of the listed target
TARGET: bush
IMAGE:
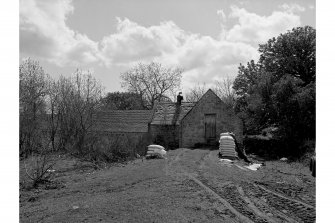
(40, 170)
(115, 148)
(271, 148)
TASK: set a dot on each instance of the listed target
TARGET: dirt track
(189, 186)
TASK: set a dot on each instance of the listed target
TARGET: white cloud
(222, 15)
(255, 29)
(133, 42)
(44, 34)
(292, 8)
(202, 57)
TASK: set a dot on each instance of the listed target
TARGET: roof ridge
(200, 99)
(184, 102)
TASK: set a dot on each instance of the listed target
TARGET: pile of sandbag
(156, 151)
(227, 146)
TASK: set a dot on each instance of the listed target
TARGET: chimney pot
(179, 98)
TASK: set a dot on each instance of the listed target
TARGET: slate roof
(123, 120)
(168, 113)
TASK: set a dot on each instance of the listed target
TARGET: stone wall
(165, 135)
(193, 124)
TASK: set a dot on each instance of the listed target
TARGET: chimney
(179, 98)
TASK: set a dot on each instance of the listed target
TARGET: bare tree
(52, 110)
(195, 93)
(88, 93)
(152, 81)
(224, 89)
(32, 104)
(65, 114)
(79, 97)
(58, 112)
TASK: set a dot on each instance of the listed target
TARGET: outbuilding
(188, 124)
(174, 124)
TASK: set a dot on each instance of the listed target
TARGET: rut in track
(249, 202)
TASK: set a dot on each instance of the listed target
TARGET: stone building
(181, 124)
(189, 124)
(165, 124)
(127, 129)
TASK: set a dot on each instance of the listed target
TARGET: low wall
(165, 135)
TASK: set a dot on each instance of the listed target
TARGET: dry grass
(144, 191)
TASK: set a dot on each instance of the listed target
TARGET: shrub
(109, 148)
(40, 170)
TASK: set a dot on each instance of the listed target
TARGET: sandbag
(227, 146)
(156, 151)
(225, 134)
(155, 147)
(160, 151)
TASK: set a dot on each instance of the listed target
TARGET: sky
(208, 39)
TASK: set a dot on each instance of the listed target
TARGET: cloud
(222, 15)
(202, 57)
(133, 42)
(292, 8)
(44, 34)
(255, 29)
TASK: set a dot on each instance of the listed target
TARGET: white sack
(155, 147)
(254, 166)
(156, 150)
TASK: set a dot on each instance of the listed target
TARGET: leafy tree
(280, 89)
(291, 53)
(123, 101)
(258, 107)
(295, 106)
(246, 78)
(152, 81)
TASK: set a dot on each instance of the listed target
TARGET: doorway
(210, 128)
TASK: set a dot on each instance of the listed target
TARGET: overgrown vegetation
(56, 111)
(116, 148)
(60, 114)
(40, 169)
(279, 90)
